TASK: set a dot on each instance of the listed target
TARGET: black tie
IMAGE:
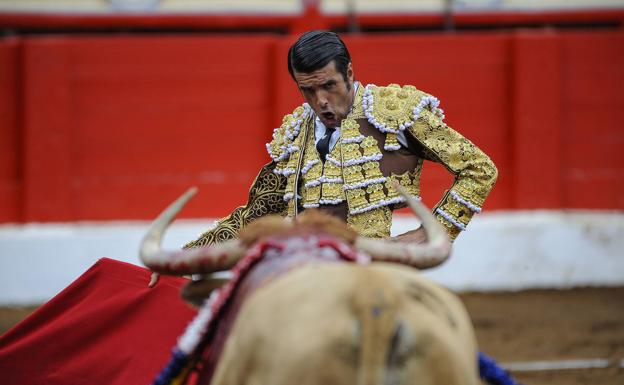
(323, 145)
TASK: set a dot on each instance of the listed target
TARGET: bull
(313, 303)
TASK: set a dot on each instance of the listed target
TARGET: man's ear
(350, 72)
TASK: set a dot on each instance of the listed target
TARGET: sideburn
(346, 80)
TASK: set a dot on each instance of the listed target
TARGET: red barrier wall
(114, 127)
(127, 123)
(10, 139)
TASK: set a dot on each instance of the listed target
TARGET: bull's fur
(271, 226)
(311, 221)
(350, 324)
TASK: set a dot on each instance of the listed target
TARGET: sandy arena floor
(553, 325)
(532, 325)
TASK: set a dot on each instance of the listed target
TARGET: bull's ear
(195, 292)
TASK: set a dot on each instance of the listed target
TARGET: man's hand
(413, 236)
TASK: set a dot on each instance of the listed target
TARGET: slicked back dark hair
(314, 50)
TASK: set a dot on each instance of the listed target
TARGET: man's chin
(330, 123)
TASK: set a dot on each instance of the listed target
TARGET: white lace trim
(322, 179)
(282, 156)
(433, 102)
(427, 100)
(392, 147)
(291, 148)
(331, 160)
(364, 159)
(284, 171)
(308, 166)
(289, 196)
(364, 183)
(355, 139)
(323, 202)
(451, 220)
(290, 135)
(295, 125)
(458, 198)
(385, 202)
(313, 183)
(331, 201)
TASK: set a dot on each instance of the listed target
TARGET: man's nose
(322, 99)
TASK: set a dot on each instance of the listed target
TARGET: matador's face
(327, 92)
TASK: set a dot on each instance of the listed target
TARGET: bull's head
(224, 256)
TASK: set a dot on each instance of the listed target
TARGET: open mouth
(329, 116)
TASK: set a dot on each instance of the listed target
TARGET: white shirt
(319, 129)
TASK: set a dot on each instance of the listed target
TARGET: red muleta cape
(107, 327)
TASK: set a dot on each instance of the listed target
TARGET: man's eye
(328, 86)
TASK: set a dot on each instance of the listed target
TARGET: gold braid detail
(393, 109)
(475, 173)
(266, 196)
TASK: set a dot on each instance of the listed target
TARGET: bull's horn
(200, 260)
(432, 253)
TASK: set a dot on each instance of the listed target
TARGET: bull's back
(343, 323)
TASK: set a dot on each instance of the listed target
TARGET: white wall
(500, 251)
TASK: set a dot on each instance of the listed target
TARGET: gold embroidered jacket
(356, 174)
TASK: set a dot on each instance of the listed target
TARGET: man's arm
(397, 110)
(266, 196)
(475, 173)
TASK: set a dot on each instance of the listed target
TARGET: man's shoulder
(407, 90)
(281, 145)
(394, 97)
(393, 108)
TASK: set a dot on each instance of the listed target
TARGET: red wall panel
(537, 114)
(592, 142)
(10, 135)
(114, 127)
(146, 118)
(48, 146)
